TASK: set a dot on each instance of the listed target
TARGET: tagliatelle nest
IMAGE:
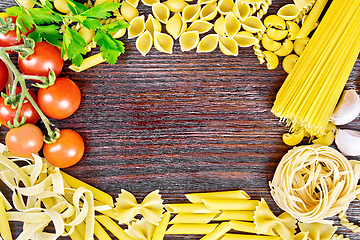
(314, 182)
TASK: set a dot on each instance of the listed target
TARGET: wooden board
(181, 123)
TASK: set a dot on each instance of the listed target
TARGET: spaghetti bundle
(310, 92)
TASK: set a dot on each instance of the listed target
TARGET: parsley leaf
(74, 46)
(115, 26)
(101, 10)
(76, 8)
(50, 33)
(42, 16)
(91, 23)
(110, 47)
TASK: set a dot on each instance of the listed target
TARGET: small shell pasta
(232, 25)
(241, 10)
(161, 12)
(253, 25)
(176, 5)
(208, 12)
(270, 44)
(206, 1)
(175, 26)
(219, 26)
(200, 26)
(272, 59)
(150, 2)
(163, 42)
(137, 26)
(144, 42)
(189, 40)
(245, 39)
(225, 6)
(87, 34)
(191, 13)
(286, 48)
(208, 43)
(152, 25)
(275, 21)
(289, 62)
(300, 44)
(228, 46)
(134, 3)
(276, 34)
(128, 11)
(293, 29)
(288, 12)
(61, 6)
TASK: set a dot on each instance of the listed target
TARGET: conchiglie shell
(276, 34)
(300, 44)
(119, 33)
(134, 3)
(270, 44)
(225, 6)
(293, 29)
(176, 5)
(232, 25)
(191, 13)
(150, 2)
(271, 59)
(137, 27)
(206, 1)
(128, 11)
(219, 26)
(175, 26)
(241, 10)
(61, 6)
(152, 25)
(144, 42)
(161, 12)
(200, 26)
(208, 12)
(208, 43)
(275, 21)
(87, 34)
(189, 40)
(286, 48)
(288, 12)
(228, 46)
(253, 25)
(289, 62)
(163, 42)
(245, 39)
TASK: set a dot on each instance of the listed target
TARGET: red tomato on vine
(44, 58)
(66, 151)
(7, 113)
(24, 140)
(60, 100)
(4, 75)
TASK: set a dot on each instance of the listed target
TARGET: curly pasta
(346, 223)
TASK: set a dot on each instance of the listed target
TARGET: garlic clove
(347, 109)
(348, 142)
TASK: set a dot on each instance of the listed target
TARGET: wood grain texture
(181, 123)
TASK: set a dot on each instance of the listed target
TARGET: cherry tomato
(7, 113)
(66, 151)
(44, 58)
(60, 100)
(10, 38)
(4, 75)
(24, 140)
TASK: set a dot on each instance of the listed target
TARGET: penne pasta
(161, 228)
(237, 194)
(193, 218)
(231, 236)
(184, 228)
(230, 204)
(219, 231)
(188, 208)
(241, 215)
(113, 227)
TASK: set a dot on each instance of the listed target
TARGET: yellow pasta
(286, 48)
(230, 204)
(231, 236)
(288, 12)
(175, 26)
(219, 26)
(150, 2)
(176, 5)
(208, 43)
(137, 26)
(225, 6)
(113, 227)
(128, 11)
(208, 12)
(219, 231)
(228, 46)
(293, 29)
(191, 13)
(206, 2)
(144, 42)
(161, 12)
(200, 26)
(189, 208)
(270, 44)
(232, 25)
(318, 231)
(245, 39)
(100, 233)
(236, 194)
(184, 228)
(193, 218)
(242, 215)
(140, 229)
(241, 10)
(276, 34)
(293, 139)
(271, 59)
(160, 230)
(189, 40)
(300, 44)
(163, 42)
(5, 231)
(62, 6)
(275, 21)
(289, 62)
(87, 34)
(152, 25)
(253, 25)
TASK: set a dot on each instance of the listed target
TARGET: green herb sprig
(46, 22)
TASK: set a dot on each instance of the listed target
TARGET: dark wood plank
(181, 123)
